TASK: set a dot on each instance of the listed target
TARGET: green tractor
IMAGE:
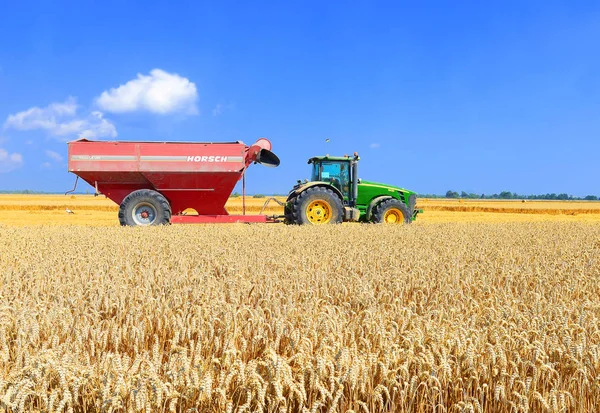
(335, 194)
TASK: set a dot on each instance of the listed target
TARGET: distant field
(99, 211)
(89, 210)
(513, 206)
(467, 210)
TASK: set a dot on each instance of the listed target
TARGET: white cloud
(59, 120)
(55, 156)
(218, 110)
(159, 92)
(46, 165)
(10, 161)
(41, 118)
(221, 108)
(374, 145)
(97, 127)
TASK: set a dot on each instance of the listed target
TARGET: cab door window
(336, 173)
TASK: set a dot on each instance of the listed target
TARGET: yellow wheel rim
(393, 216)
(318, 212)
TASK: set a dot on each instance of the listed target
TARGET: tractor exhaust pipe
(355, 179)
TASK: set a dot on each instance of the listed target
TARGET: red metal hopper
(198, 175)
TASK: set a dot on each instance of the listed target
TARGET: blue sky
(471, 95)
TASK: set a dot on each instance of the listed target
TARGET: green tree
(452, 194)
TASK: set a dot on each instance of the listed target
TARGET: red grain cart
(154, 182)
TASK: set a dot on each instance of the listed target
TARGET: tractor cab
(339, 172)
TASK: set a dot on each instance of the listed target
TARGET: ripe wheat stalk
(263, 318)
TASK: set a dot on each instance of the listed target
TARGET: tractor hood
(366, 184)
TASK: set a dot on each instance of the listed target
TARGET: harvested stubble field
(24, 210)
(513, 206)
(271, 318)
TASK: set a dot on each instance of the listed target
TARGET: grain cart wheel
(391, 211)
(317, 205)
(144, 207)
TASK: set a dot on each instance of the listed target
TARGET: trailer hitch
(267, 203)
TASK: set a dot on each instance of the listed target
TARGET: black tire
(287, 212)
(412, 202)
(157, 209)
(311, 196)
(388, 206)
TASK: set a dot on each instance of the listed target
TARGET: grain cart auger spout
(335, 194)
(155, 182)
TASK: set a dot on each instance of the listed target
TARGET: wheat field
(431, 317)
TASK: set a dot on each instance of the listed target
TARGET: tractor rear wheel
(144, 207)
(391, 211)
(317, 205)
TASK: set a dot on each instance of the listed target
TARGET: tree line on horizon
(510, 195)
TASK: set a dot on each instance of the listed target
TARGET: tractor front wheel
(317, 205)
(144, 207)
(392, 211)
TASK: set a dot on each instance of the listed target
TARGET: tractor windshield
(336, 173)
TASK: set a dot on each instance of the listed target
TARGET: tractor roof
(331, 158)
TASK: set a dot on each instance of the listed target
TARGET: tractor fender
(373, 203)
(294, 193)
